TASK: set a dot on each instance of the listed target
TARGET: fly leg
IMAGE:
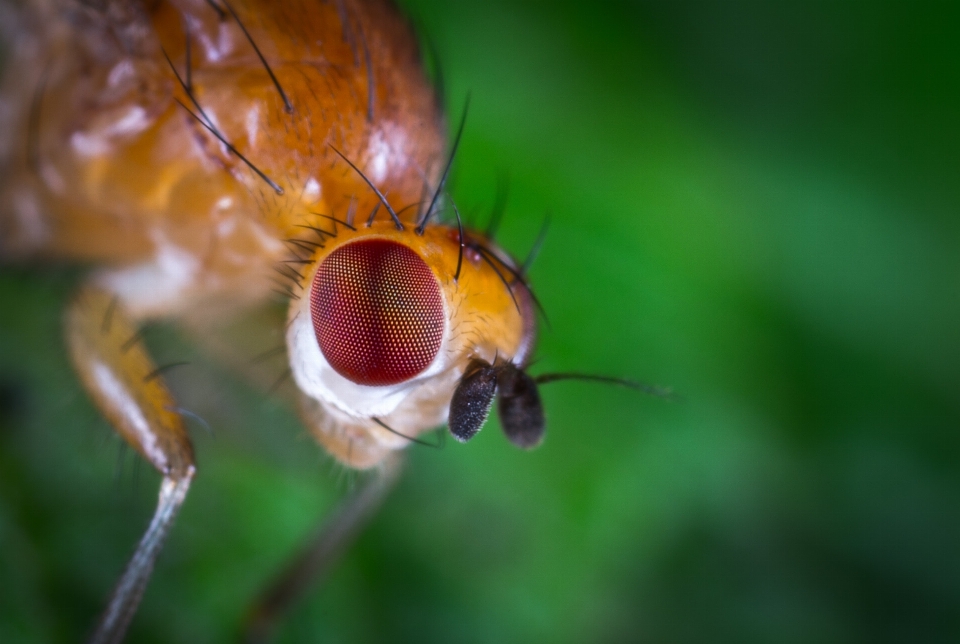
(125, 385)
(312, 563)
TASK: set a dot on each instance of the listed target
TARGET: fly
(211, 151)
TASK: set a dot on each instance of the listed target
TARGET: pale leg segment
(124, 383)
(129, 590)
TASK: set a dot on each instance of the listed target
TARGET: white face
(371, 338)
(386, 325)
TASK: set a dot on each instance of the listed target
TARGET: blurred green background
(755, 203)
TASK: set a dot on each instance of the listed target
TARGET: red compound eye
(377, 312)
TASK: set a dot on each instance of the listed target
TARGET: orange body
(107, 167)
(151, 141)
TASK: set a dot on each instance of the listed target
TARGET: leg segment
(129, 590)
(310, 565)
(125, 385)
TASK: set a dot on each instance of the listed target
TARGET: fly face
(391, 322)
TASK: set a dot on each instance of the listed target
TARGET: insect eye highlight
(377, 312)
